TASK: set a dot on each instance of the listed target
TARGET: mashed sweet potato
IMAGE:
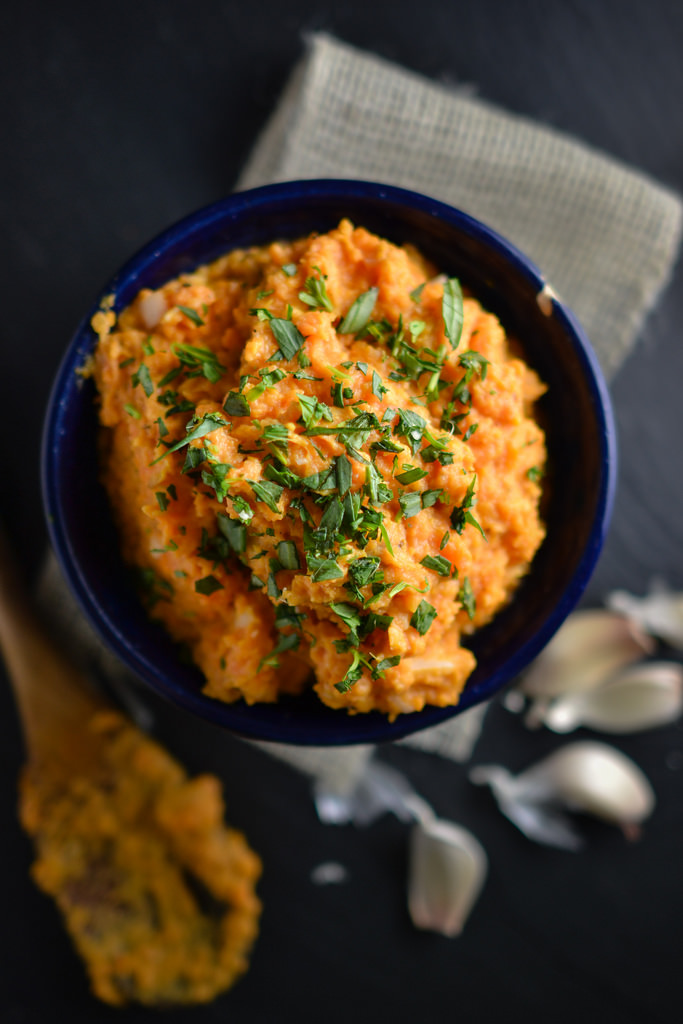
(321, 456)
(157, 893)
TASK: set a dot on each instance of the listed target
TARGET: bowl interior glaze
(575, 412)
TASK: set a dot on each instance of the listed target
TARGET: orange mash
(157, 893)
(324, 464)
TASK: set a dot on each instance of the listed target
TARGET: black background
(118, 120)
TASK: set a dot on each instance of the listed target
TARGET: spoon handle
(52, 698)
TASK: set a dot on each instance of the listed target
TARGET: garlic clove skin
(660, 612)
(586, 650)
(587, 776)
(532, 805)
(638, 697)
(448, 867)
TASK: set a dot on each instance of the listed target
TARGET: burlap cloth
(604, 235)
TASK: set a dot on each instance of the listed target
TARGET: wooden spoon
(157, 894)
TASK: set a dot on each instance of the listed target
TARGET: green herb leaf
(353, 674)
(236, 404)
(268, 492)
(289, 269)
(315, 294)
(199, 361)
(437, 563)
(359, 313)
(162, 499)
(132, 411)
(431, 497)
(461, 515)
(195, 429)
(192, 315)
(313, 410)
(269, 378)
(411, 474)
(378, 389)
(422, 617)
(474, 362)
(208, 585)
(234, 531)
(142, 376)
(289, 338)
(452, 310)
(288, 555)
(344, 474)
(467, 598)
(411, 503)
(327, 569)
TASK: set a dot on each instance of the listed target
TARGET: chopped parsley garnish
(313, 410)
(288, 555)
(289, 269)
(534, 473)
(142, 376)
(199, 361)
(268, 492)
(192, 315)
(236, 404)
(461, 514)
(452, 310)
(162, 499)
(132, 411)
(289, 338)
(411, 504)
(208, 585)
(467, 598)
(423, 616)
(378, 389)
(234, 531)
(411, 474)
(315, 293)
(195, 429)
(360, 312)
(269, 378)
(437, 563)
(473, 362)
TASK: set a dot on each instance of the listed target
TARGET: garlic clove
(638, 697)
(588, 648)
(598, 779)
(660, 612)
(587, 776)
(152, 307)
(448, 867)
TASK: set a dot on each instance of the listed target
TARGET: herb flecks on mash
(323, 437)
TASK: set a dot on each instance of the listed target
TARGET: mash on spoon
(321, 457)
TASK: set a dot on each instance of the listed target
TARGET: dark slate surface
(117, 121)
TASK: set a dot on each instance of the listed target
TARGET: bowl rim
(372, 727)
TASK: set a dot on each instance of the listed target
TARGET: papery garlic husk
(638, 697)
(448, 867)
(660, 612)
(586, 650)
(586, 776)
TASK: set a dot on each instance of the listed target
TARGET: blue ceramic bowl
(576, 414)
